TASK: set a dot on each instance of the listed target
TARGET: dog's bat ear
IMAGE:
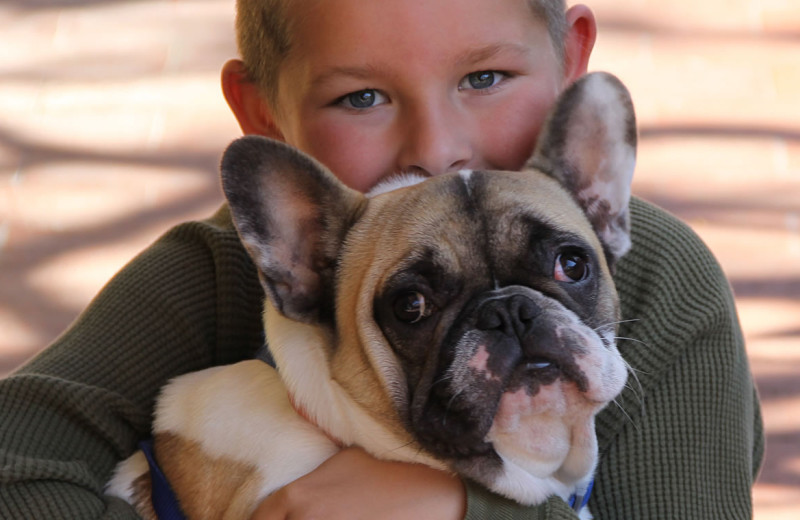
(589, 144)
(291, 214)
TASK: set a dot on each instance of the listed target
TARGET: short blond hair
(264, 36)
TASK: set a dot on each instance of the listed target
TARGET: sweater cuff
(482, 504)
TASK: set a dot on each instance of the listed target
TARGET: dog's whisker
(445, 378)
(636, 370)
(618, 322)
(406, 445)
(626, 414)
(638, 396)
(633, 372)
(447, 408)
(638, 389)
(635, 340)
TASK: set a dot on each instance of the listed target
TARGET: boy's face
(373, 88)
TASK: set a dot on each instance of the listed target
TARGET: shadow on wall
(35, 308)
(751, 132)
(783, 448)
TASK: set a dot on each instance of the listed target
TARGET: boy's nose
(435, 142)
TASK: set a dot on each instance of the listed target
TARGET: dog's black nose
(530, 331)
(512, 315)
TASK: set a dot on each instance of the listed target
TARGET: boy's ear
(589, 145)
(292, 215)
(246, 101)
(578, 42)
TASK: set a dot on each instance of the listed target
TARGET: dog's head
(472, 315)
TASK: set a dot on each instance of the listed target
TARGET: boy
(370, 89)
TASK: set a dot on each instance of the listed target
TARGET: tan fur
(142, 489)
(225, 490)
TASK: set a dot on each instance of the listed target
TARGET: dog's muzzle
(506, 340)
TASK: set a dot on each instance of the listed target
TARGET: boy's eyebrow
(489, 51)
(466, 58)
(355, 72)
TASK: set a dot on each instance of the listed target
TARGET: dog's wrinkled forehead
(468, 220)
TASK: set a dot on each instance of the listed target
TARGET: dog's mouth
(455, 427)
(454, 419)
(458, 447)
(540, 363)
(535, 358)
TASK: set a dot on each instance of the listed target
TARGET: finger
(272, 508)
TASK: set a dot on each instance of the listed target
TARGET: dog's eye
(571, 266)
(411, 307)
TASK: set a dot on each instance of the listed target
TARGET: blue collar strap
(165, 503)
(578, 502)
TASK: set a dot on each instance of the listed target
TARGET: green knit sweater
(683, 441)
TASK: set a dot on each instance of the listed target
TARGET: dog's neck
(302, 412)
(300, 351)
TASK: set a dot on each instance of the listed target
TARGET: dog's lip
(540, 363)
(449, 449)
(544, 370)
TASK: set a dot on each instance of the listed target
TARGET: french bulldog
(465, 321)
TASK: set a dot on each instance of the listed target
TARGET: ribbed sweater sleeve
(188, 302)
(684, 440)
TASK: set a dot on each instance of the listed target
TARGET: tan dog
(466, 321)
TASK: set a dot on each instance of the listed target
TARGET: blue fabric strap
(165, 503)
(578, 502)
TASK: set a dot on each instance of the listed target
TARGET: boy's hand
(352, 485)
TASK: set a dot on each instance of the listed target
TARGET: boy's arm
(68, 416)
(689, 442)
(354, 484)
(485, 505)
(354, 481)
(686, 440)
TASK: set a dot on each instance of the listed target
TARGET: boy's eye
(481, 80)
(362, 99)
